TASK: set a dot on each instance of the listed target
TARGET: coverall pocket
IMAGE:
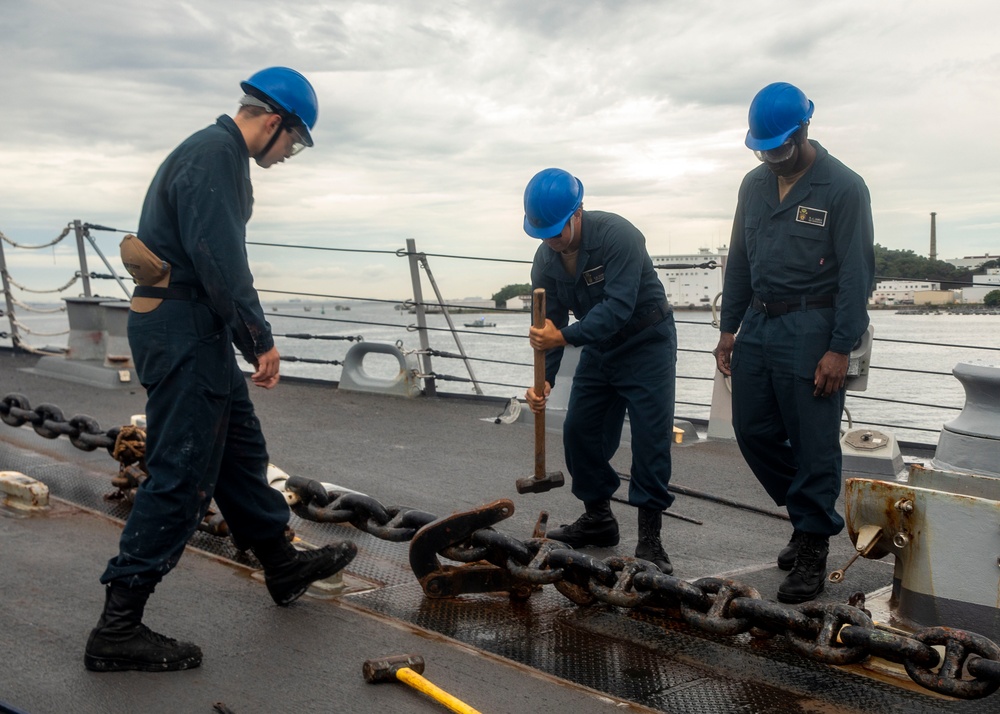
(813, 330)
(807, 249)
(149, 340)
(215, 359)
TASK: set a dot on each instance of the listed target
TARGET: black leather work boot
(786, 558)
(288, 571)
(808, 574)
(649, 546)
(121, 642)
(596, 527)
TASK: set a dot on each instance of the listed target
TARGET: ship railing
(696, 364)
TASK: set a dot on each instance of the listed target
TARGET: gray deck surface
(438, 455)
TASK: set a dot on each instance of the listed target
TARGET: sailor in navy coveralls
(203, 438)
(595, 264)
(798, 277)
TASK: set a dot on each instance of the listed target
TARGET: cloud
(434, 115)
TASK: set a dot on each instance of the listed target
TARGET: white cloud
(434, 115)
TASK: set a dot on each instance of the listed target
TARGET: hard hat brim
(773, 142)
(546, 232)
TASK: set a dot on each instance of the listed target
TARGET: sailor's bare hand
(724, 352)
(831, 374)
(268, 365)
(537, 403)
(547, 337)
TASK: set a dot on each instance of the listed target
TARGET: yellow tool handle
(538, 320)
(405, 674)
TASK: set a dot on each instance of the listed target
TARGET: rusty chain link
(832, 633)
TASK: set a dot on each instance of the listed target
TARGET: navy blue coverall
(814, 248)
(628, 360)
(203, 438)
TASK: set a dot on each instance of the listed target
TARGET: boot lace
(809, 557)
(155, 637)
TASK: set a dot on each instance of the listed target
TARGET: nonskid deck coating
(631, 655)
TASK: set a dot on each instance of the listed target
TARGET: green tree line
(509, 291)
(889, 265)
(907, 265)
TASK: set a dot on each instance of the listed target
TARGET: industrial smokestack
(933, 255)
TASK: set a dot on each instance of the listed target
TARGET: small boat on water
(480, 322)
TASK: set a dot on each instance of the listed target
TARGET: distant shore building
(472, 303)
(982, 284)
(519, 302)
(910, 292)
(688, 281)
(971, 262)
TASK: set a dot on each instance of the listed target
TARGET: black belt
(776, 308)
(644, 317)
(176, 292)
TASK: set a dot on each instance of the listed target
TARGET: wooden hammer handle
(538, 320)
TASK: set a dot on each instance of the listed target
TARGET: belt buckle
(775, 309)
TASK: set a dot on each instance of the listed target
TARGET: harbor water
(910, 388)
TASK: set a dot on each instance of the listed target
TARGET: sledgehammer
(541, 481)
(408, 669)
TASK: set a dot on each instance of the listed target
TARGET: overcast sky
(434, 115)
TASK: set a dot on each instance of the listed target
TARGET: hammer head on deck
(384, 669)
(535, 484)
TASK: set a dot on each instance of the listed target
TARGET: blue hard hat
(289, 93)
(550, 198)
(776, 112)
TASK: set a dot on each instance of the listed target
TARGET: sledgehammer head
(541, 484)
(377, 671)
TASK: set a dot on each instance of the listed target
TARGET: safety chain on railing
(710, 265)
(56, 290)
(25, 328)
(307, 336)
(62, 235)
(833, 633)
(42, 310)
(22, 345)
(97, 276)
(451, 378)
(310, 360)
(452, 355)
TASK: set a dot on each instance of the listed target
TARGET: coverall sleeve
(624, 252)
(737, 290)
(854, 238)
(556, 311)
(212, 226)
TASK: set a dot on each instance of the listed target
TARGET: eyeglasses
(298, 141)
(778, 154)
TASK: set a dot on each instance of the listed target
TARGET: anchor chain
(48, 422)
(834, 633)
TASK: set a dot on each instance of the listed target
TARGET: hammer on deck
(408, 669)
(541, 481)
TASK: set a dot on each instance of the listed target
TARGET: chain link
(831, 633)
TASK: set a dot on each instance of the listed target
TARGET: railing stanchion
(14, 338)
(418, 297)
(82, 252)
(451, 325)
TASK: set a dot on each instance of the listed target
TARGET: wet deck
(441, 456)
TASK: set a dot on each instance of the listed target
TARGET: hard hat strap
(263, 152)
